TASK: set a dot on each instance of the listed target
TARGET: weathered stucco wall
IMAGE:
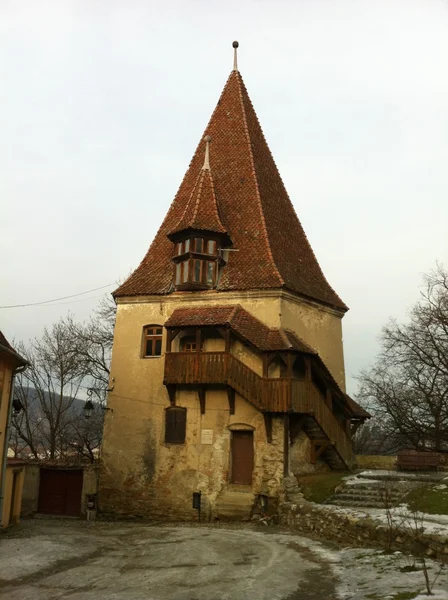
(5, 390)
(319, 327)
(159, 479)
(300, 454)
(30, 490)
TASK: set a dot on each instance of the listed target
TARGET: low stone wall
(373, 461)
(327, 524)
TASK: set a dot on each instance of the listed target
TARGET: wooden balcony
(284, 395)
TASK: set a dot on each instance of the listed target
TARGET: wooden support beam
(268, 426)
(355, 426)
(270, 357)
(295, 427)
(318, 447)
(198, 339)
(307, 368)
(265, 365)
(329, 399)
(172, 394)
(201, 394)
(231, 397)
(289, 364)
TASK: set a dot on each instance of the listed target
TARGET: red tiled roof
(4, 342)
(273, 250)
(242, 322)
(201, 212)
(10, 350)
(356, 409)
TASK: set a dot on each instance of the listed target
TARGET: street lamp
(88, 409)
(89, 406)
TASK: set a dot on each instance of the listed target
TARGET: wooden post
(289, 363)
(169, 338)
(201, 394)
(198, 339)
(227, 340)
(307, 368)
(171, 389)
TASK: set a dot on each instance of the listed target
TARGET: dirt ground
(55, 559)
(52, 559)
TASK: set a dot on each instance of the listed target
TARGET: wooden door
(60, 492)
(242, 457)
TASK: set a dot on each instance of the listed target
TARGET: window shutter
(175, 425)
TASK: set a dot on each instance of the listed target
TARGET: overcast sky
(102, 104)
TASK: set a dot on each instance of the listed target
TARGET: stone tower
(227, 366)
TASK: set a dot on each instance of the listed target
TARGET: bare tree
(408, 385)
(69, 358)
(48, 390)
(93, 342)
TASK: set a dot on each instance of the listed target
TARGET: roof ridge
(215, 206)
(251, 155)
(285, 337)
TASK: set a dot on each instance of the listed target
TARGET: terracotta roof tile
(201, 212)
(10, 350)
(242, 322)
(253, 205)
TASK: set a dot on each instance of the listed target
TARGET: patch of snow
(436, 595)
(401, 517)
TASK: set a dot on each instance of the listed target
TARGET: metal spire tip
(235, 55)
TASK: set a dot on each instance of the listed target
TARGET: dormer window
(197, 260)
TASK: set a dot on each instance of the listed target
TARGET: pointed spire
(206, 166)
(235, 55)
(243, 196)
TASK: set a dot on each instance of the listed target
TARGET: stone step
(352, 490)
(357, 503)
(236, 499)
(360, 498)
(234, 504)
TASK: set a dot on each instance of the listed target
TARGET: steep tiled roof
(273, 250)
(242, 322)
(201, 212)
(5, 346)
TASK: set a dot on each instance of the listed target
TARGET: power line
(56, 299)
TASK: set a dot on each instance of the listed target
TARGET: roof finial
(206, 166)
(235, 56)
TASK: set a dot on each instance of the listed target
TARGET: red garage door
(60, 492)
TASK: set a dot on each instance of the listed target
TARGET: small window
(187, 245)
(197, 271)
(175, 425)
(210, 273)
(211, 247)
(185, 271)
(188, 344)
(178, 273)
(152, 340)
(179, 248)
(198, 245)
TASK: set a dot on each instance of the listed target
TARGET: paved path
(51, 560)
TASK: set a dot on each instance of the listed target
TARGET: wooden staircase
(269, 395)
